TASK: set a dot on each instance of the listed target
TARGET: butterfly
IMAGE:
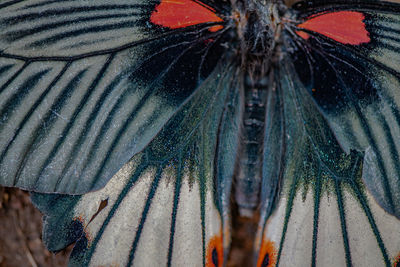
(141, 125)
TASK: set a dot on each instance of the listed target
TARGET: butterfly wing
(323, 214)
(85, 85)
(358, 92)
(92, 88)
(326, 204)
(167, 206)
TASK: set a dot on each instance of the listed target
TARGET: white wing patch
(116, 241)
(363, 245)
(388, 225)
(115, 238)
(66, 25)
(188, 228)
(297, 245)
(330, 250)
(153, 246)
(298, 238)
(274, 226)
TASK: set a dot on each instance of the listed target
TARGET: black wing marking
(86, 85)
(321, 213)
(357, 89)
(164, 207)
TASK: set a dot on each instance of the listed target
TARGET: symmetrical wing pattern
(139, 106)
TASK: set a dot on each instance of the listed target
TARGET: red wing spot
(215, 252)
(346, 27)
(268, 254)
(396, 262)
(176, 14)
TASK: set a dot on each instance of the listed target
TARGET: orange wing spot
(215, 252)
(303, 35)
(176, 14)
(396, 262)
(216, 28)
(346, 27)
(268, 254)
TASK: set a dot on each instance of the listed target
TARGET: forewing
(169, 205)
(354, 77)
(85, 85)
(320, 213)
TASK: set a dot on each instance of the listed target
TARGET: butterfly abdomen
(248, 178)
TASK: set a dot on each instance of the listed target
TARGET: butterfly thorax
(257, 26)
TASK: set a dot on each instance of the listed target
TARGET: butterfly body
(248, 177)
(161, 109)
(259, 39)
